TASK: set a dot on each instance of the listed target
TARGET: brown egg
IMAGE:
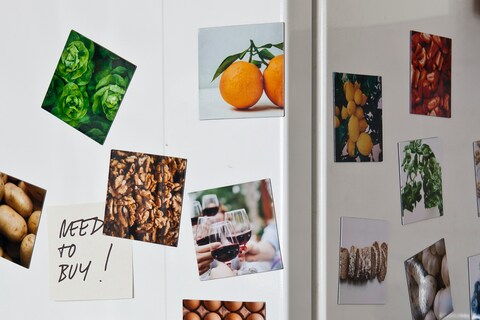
(233, 316)
(254, 306)
(191, 316)
(255, 316)
(233, 305)
(212, 305)
(191, 304)
(212, 316)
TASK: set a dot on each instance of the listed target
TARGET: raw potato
(26, 249)
(2, 189)
(18, 200)
(12, 225)
(33, 221)
(22, 185)
(36, 194)
(12, 249)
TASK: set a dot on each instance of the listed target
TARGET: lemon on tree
(344, 113)
(353, 128)
(364, 144)
(348, 87)
(350, 148)
(358, 97)
(362, 125)
(351, 107)
(359, 113)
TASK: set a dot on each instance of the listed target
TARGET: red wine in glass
(194, 221)
(196, 212)
(210, 211)
(226, 253)
(210, 205)
(243, 238)
(203, 241)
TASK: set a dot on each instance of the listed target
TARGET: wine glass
(241, 225)
(229, 248)
(202, 236)
(196, 212)
(243, 231)
(210, 205)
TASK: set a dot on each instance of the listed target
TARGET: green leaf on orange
(265, 54)
(226, 63)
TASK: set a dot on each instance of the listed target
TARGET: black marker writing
(71, 250)
(108, 256)
(82, 225)
(72, 270)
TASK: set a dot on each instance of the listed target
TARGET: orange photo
(241, 71)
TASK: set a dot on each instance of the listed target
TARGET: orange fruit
(273, 81)
(241, 84)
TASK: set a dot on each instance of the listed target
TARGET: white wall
(158, 115)
(372, 37)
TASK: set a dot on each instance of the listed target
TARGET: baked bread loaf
(363, 264)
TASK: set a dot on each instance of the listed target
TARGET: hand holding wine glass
(203, 246)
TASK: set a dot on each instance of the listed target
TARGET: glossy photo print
(420, 167)
(430, 75)
(428, 283)
(144, 197)
(241, 71)
(235, 230)
(363, 261)
(88, 86)
(21, 206)
(357, 118)
(223, 310)
(474, 286)
(476, 161)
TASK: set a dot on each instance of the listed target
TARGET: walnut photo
(144, 197)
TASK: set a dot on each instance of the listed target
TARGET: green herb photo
(88, 86)
(424, 177)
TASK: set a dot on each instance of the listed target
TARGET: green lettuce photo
(72, 105)
(88, 86)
